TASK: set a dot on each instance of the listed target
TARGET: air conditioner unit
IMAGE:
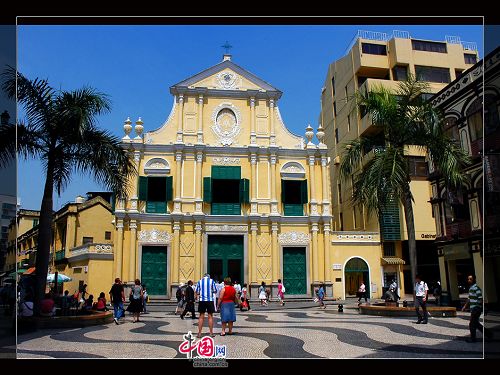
(86, 269)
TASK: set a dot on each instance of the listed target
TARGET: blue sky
(136, 65)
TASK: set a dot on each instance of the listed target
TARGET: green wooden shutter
(244, 191)
(283, 191)
(303, 191)
(207, 189)
(113, 202)
(170, 194)
(143, 188)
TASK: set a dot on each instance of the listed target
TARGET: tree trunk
(410, 226)
(44, 239)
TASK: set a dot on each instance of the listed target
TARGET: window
(107, 235)
(470, 58)
(88, 240)
(346, 93)
(491, 114)
(421, 45)
(294, 196)
(354, 218)
(389, 249)
(333, 86)
(475, 120)
(458, 73)
(451, 128)
(339, 190)
(35, 222)
(225, 190)
(361, 80)
(400, 73)
(417, 166)
(336, 135)
(341, 221)
(156, 192)
(432, 74)
(335, 108)
(348, 123)
(374, 49)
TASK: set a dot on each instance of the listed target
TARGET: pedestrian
(237, 287)
(117, 297)
(362, 292)
(136, 296)
(218, 288)
(65, 303)
(437, 293)
(245, 303)
(321, 296)
(281, 293)
(47, 306)
(262, 294)
(226, 306)
(179, 295)
(205, 290)
(190, 299)
(84, 292)
(421, 292)
(100, 305)
(475, 304)
(145, 299)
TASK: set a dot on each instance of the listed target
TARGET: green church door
(294, 270)
(225, 257)
(154, 269)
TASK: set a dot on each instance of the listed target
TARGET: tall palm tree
(403, 119)
(60, 128)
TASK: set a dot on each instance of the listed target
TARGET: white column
(325, 190)
(178, 181)
(198, 261)
(253, 254)
(175, 253)
(274, 201)
(326, 236)
(312, 186)
(274, 252)
(253, 184)
(315, 261)
(271, 114)
(180, 119)
(200, 118)
(133, 193)
(199, 178)
(118, 249)
(253, 136)
(132, 252)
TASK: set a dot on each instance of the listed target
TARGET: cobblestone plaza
(300, 331)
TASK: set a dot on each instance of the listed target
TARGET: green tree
(60, 129)
(402, 119)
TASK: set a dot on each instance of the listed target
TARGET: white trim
(369, 274)
(148, 170)
(298, 170)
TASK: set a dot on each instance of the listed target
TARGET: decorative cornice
(226, 161)
(294, 238)
(154, 236)
(226, 228)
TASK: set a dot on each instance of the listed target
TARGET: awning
(392, 261)
(29, 271)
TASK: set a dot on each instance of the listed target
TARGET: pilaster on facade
(199, 133)
(272, 115)
(180, 120)
(253, 135)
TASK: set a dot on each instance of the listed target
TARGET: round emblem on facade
(227, 80)
(226, 123)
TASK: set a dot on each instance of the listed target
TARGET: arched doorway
(356, 270)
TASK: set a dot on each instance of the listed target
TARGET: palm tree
(403, 119)
(60, 129)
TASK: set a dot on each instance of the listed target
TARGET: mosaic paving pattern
(307, 333)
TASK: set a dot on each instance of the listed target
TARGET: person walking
(362, 292)
(117, 297)
(475, 304)
(136, 296)
(179, 295)
(263, 294)
(144, 299)
(226, 306)
(321, 296)
(421, 292)
(244, 298)
(437, 293)
(190, 298)
(281, 293)
(205, 290)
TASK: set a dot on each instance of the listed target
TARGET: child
(263, 294)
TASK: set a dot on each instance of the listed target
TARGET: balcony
(458, 230)
(92, 251)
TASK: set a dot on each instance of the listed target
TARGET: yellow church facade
(224, 187)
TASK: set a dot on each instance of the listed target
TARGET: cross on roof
(227, 46)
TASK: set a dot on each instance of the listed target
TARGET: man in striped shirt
(475, 303)
(205, 290)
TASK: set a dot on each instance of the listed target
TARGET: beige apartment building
(379, 59)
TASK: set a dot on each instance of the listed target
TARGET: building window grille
(374, 49)
(421, 45)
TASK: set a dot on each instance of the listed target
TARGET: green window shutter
(244, 191)
(283, 191)
(207, 189)
(170, 194)
(143, 188)
(113, 202)
(226, 173)
(303, 191)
